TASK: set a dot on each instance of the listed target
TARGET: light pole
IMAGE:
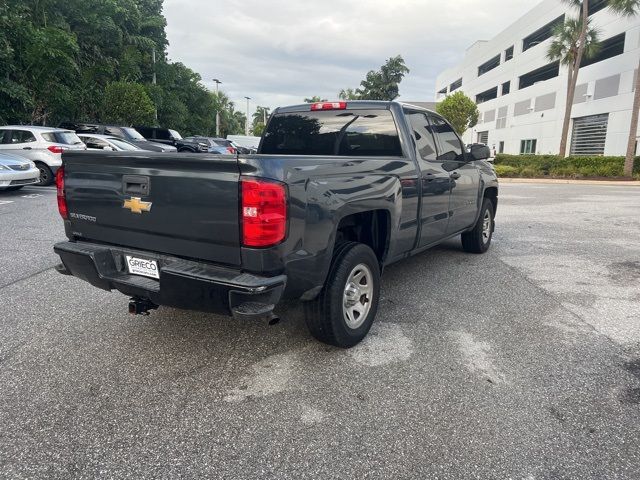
(246, 124)
(218, 82)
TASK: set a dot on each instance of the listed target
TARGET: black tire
(475, 240)
(46, 175)
(186, 150)
(14, 188)
(325, 317)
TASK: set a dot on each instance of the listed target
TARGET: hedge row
(554, 166)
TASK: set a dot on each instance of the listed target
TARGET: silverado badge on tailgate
(136, 205)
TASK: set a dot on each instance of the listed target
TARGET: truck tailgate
(178, 204)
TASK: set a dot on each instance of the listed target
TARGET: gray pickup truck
(337, 191)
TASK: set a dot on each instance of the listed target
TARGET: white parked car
(42, 145)
(93, 141)
(16, 172)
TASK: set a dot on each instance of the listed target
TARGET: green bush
(554, 166)
(528, 172)
(506, 171)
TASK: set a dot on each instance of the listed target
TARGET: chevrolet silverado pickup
(337, 191)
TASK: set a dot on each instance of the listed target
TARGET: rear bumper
(183, 283)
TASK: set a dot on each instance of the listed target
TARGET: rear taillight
(231, 150)
(62, 200)
(329, 106)
(55, 149)
(264, 212)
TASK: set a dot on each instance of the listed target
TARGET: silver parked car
(42, 145)
(16, 172)
(93, 141)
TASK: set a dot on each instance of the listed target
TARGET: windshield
(65, 138)
(334, 132)
(175, 135)
(132, 133)
(123, 144)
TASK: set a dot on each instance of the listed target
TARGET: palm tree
(573, 41)
(630, 8)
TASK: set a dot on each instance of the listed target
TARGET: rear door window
(425, 143)
(334, 132)
(22, 136)
(65, 138)
(449, 145)
(160, 133)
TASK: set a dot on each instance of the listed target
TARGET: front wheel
(344, 311)
(478, 239)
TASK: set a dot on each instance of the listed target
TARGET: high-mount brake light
(62, 199)
(263, 212)
(329, 106)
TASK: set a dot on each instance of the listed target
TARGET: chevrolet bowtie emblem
(136, 205)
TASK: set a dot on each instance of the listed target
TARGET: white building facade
(521, 94)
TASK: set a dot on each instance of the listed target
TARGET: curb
(617, 183)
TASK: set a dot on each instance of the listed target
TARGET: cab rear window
(334, 132)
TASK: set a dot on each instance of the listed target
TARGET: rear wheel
(344, 311)
(478, 239)
(46, 175)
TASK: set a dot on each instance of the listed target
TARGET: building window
(506, 88)
(501, 147)
(609, 48)
(528, 146)
(597, 5)
(508, 54)
(541, 34)
(540, 75)
(487, 95)
(501, 122)
(589, 135)
(490, 65)
(483, 137)
(455, 85)
(443, 91)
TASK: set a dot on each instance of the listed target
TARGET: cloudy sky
(280, 51)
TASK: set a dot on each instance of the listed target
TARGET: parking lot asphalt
(521, 363)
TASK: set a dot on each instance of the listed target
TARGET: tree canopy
(461, 112)
(382, 84)
(66, 61)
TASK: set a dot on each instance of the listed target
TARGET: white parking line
(32, 195)
(5, 202)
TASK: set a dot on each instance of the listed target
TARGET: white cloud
(280, 51)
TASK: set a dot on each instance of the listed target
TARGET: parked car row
(43, 146)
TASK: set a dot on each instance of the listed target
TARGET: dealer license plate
(142, 266)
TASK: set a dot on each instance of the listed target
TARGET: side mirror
(478, 151)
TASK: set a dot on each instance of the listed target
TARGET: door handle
(454, 175)
(135, 185)
(26, 148)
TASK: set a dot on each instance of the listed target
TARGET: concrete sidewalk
(618, 183)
